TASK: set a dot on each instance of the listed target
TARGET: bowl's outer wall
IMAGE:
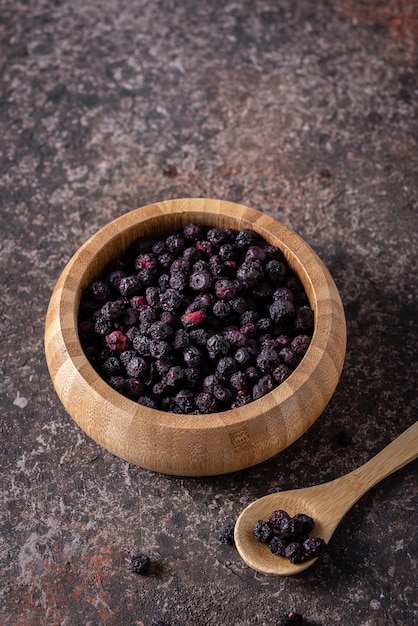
(199, 445)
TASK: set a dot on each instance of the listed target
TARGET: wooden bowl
(194, 445)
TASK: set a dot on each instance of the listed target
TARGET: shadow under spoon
(326, 503)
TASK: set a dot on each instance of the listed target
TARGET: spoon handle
(396, 455)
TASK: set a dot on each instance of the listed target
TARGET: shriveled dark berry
(171, 300)
(263, 386)
(117, 341)
(281, 372)
(191, 320)
(191, 377)
(276, 517)
(147, 401)
(193, 357)
(282, 310)
(263, 531)
(244, 355)
(133, 388)
(111, 366)
(283, 293)
(139, 564)
(141, 343)
(221, 309)
(209, 383)
(205, 246)
(217, 236)
(160, 330)
(159, 348)
(205, 402)
(102, 326)
(302, 524)
(314, 546)
(181, 265)
(227, 365)
(278, 545)
(246, 238)
(138, 302)
(225, 289)
(250, 273)
(295, 552)
(98, 291)
(129, 286)
(238, 381)
(193, 232)
(152, 296)
(217, 266)
(165, 260)
(252, 373)
(179, 281)
(113, 309)
(175, 244)
(255, 253)
(235, 337)
(242, 399)
(289, 357)
(276, 271)
(146, 260)
(118, 383)
(228, 252)
(268, 359)
(238, 304)
(175, 376)
(191, 255)
(199, 336)
(159, 247)
(201, 281)
(137, 368)
(303, 319)
(114, 277)
(185, 399)
(162, 366)
(226, 533)
(217, 346)
(222, 393)
(300, 344)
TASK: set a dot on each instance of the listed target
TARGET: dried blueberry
(263, 531)
(140, 563)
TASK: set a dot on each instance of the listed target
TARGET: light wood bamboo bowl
(194, 445)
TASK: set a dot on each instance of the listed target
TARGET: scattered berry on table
(226, 533)
(139, 563)
(200, 309)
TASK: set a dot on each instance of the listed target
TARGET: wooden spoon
(326, 504)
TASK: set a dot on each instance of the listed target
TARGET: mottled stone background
(304, 110)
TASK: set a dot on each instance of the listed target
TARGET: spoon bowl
(326, 504)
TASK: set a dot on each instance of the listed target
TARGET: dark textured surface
(304, 110)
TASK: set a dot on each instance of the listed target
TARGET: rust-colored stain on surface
(401, 18)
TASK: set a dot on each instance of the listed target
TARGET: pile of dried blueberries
(203, 320)
(289, 536)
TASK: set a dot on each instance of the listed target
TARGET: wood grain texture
(194, 445)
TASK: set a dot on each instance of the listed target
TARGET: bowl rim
(63, 346)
